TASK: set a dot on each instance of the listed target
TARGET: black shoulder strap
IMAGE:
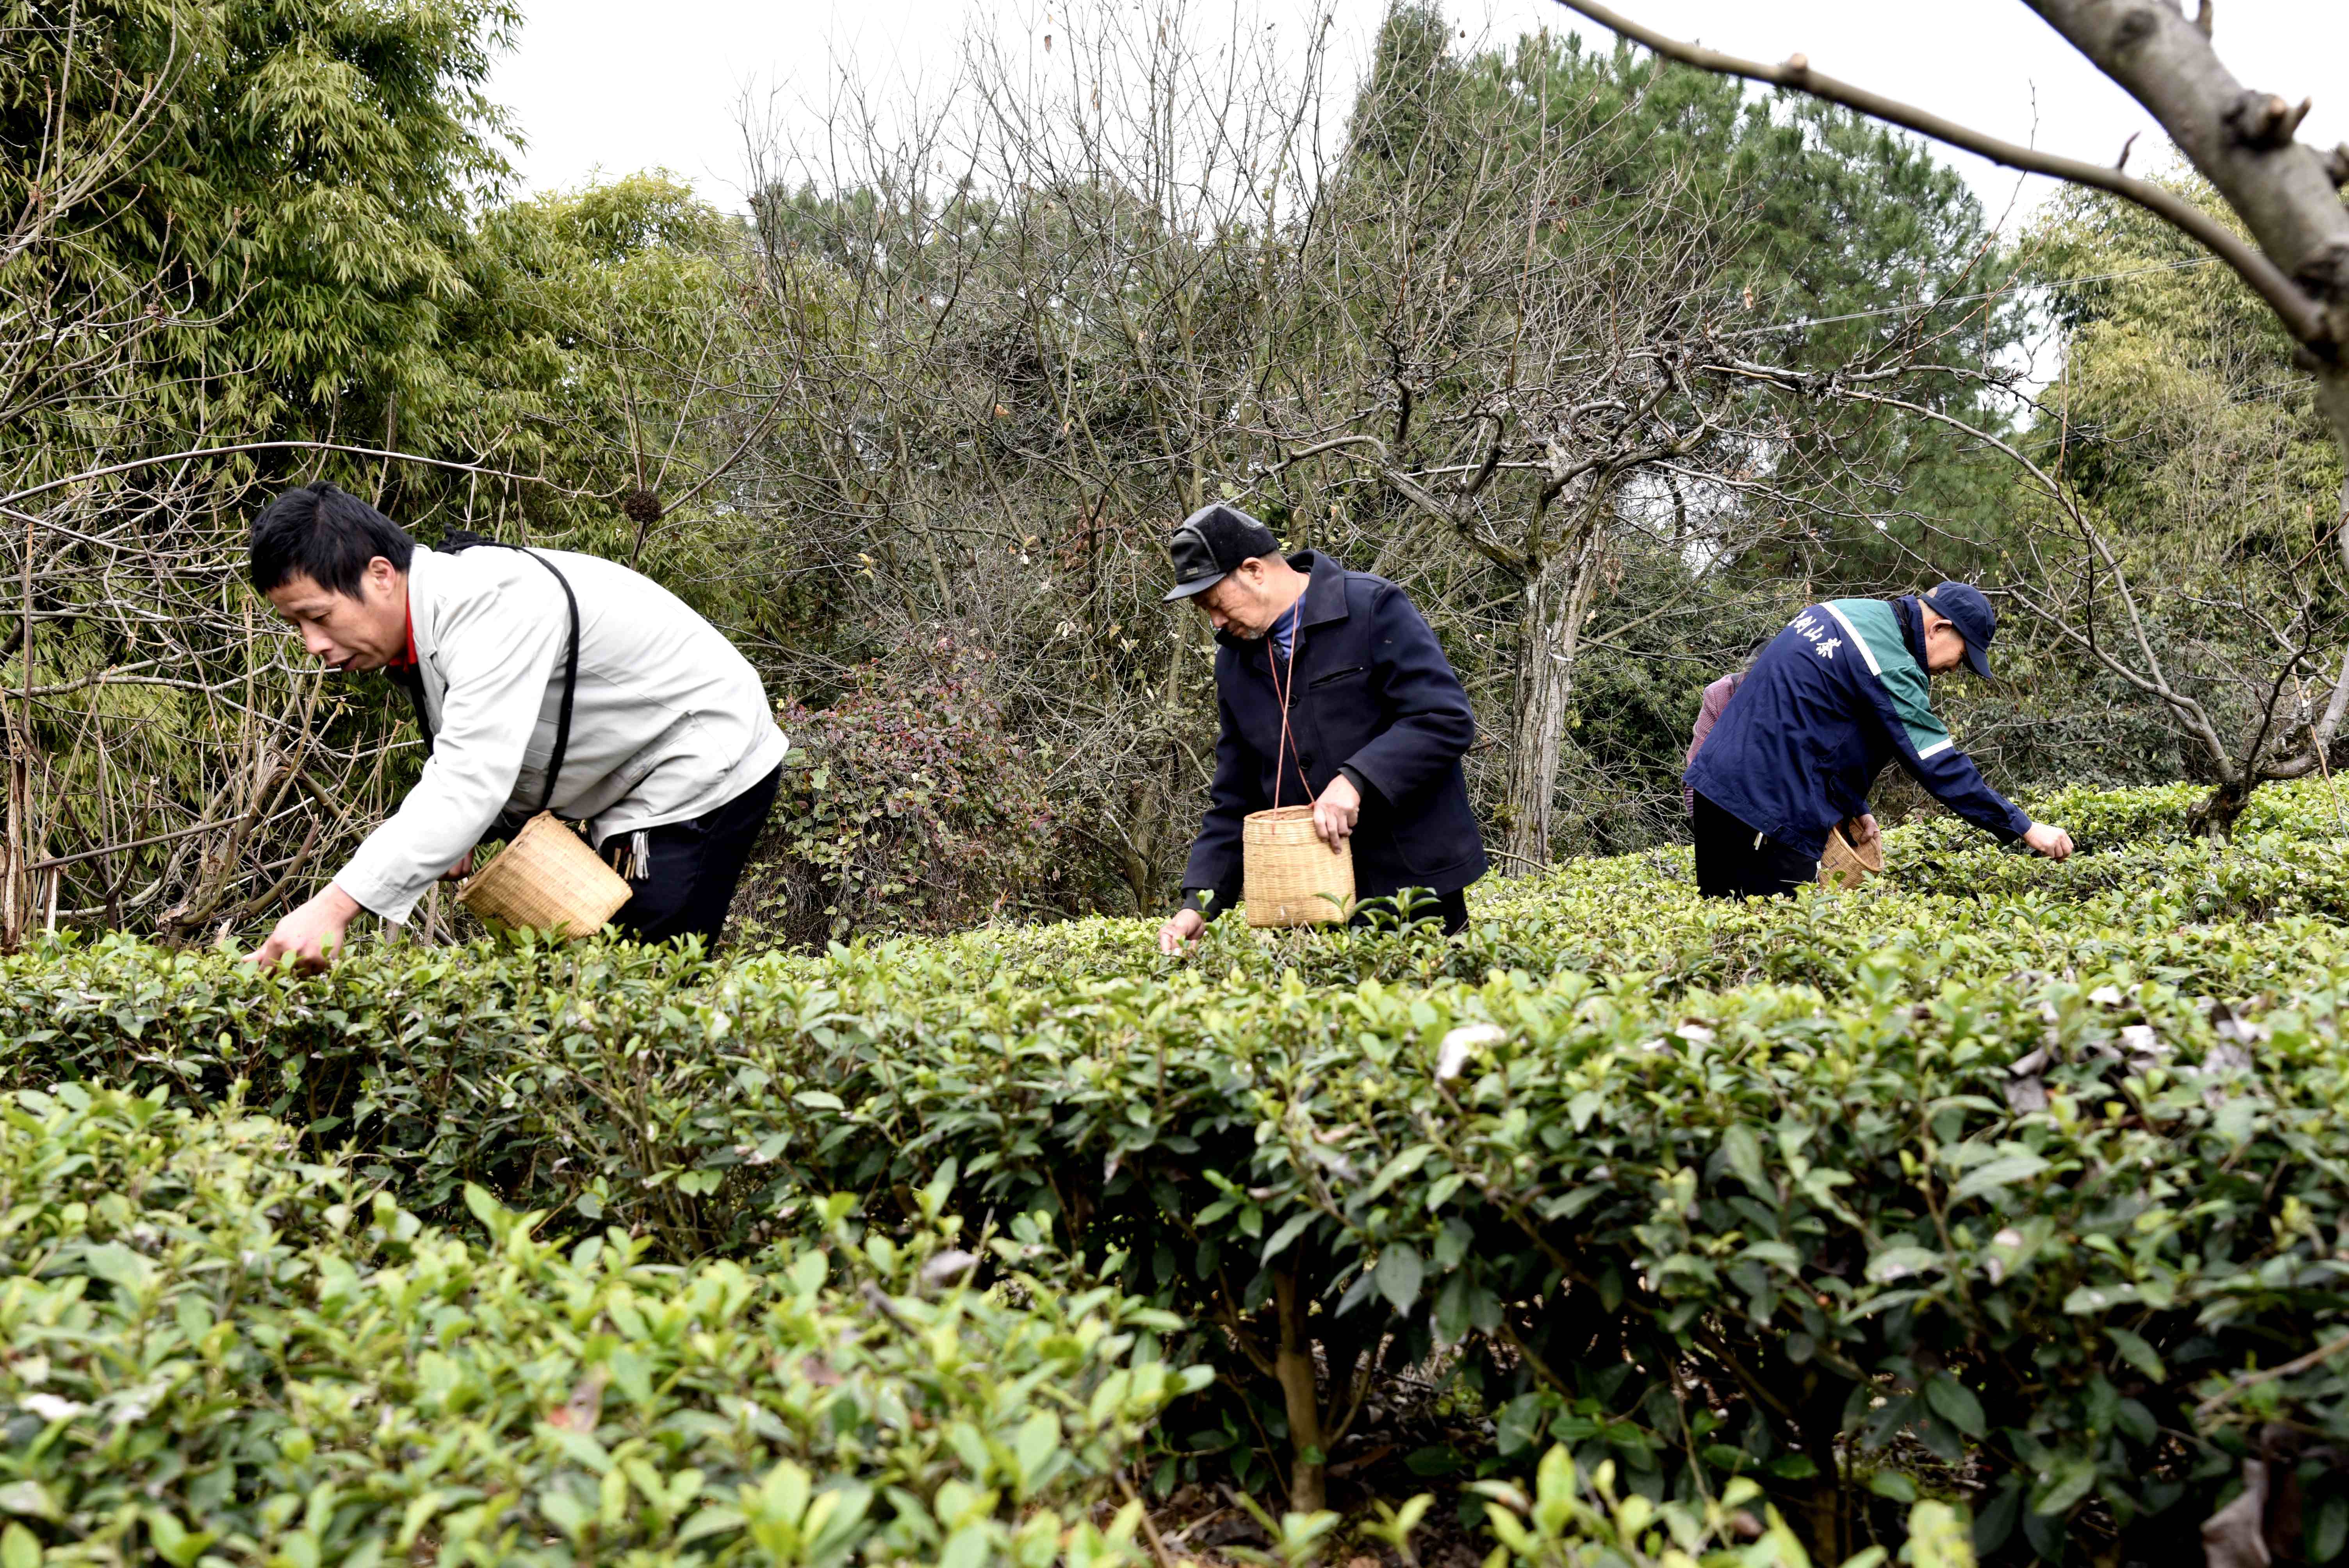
(570, 682)
(459, 540)
(411, 681)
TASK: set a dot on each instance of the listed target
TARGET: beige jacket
(668, 720)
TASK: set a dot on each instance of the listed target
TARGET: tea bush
(220, 1351)
(1570, 1518)
(2022, 1178)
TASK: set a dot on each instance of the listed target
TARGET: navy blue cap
(1210, 542)
(1962, 604)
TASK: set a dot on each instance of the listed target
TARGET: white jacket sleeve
(499, 654)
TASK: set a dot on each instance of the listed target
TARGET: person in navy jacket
(1377, 720)
(1842, 691)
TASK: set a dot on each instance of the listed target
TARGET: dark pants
(1733, 861)
(694, 867)
(1451, 908)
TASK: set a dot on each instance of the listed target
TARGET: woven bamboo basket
(1289, 876)
(546, 880)
(1843, 866)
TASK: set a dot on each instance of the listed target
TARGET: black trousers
(1733, 861)
(692, 868)
(1451, 908)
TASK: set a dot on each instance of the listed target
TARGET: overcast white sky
(617, 86)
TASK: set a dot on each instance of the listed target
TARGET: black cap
(1965, 608)
(1210, 542)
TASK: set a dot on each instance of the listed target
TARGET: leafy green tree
(1839, 241)
(596, 341)
(291, 186)
(225, 222)
(2181, 417)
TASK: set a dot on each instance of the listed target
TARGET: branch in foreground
(2301, 314)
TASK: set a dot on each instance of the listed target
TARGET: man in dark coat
(1842, 691)
(1377, 720)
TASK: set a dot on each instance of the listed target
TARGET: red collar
(408, 663)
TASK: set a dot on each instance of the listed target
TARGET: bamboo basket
(1844, 867)
(546, 880)
(1289, 877)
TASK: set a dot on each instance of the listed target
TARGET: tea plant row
(2019, 1181)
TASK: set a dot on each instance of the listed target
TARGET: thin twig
(2243, 1380)
(1149, 1531)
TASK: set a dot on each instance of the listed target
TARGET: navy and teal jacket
(1834, 697)
(1371, 695)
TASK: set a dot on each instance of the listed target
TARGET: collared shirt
(405, 663)
(1284, 630)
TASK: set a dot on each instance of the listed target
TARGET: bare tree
(1025, 326)
(1017, 323)
(1531, 365)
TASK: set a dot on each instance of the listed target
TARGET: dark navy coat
(1372, 694)
(1842, 691)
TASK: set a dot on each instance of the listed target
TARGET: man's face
(1945, 649)
(347, 632)
(1241, 603)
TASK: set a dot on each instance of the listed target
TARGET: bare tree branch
(2303, 315)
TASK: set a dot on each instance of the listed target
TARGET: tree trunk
(1141, 880)
(1152, 825)
(2215, 817)
(1827, 1503)
(1556, 600)
(1293, 1364)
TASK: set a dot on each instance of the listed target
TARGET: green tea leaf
(1956, 1404)
(1399, 1273)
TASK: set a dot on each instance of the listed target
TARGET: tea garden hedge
(2000, 1205)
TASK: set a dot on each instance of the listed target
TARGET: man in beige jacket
(668, 747)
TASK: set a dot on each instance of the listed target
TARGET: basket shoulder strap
(570, 682)
(1281, 692)
(464, 540)
(411, 681)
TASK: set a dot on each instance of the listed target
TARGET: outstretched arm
(501, 650)
(1211, 878)
(1932, 758)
